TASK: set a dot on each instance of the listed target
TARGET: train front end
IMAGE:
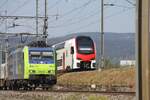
(40, 66)
(86, 53)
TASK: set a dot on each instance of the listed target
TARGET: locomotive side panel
(16, 65)
(20, 65)
(2, 71)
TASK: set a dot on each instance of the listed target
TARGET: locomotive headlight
(94, 64)
(51, 71)
(41, 62)
(93, 59)
(31, 66)
(32, 71)
(79, 58)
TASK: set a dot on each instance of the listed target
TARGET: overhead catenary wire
(97, 21)
(85, 26)
(82, 6)
(76, 22)
(72, 18)
(130, 2)
(85, 18)
(65, 14)
(3, 4)
(20, 6)
(117, 5)
(54, 5)
(27, 1)
(119, 12)
(73, 10)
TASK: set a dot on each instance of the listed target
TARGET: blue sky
(74, 16)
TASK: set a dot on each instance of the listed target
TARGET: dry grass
(109, 77)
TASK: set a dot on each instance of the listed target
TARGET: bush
(108, 64)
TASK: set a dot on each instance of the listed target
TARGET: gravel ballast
(16, 95)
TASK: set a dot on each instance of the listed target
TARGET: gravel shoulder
(11, 95)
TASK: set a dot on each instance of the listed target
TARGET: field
(120, 77)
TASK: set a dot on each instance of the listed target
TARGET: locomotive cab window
(41, 57)
(47, 55)
(34, 55)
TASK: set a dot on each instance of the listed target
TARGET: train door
(63, 62)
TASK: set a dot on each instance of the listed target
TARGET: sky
(73, 16)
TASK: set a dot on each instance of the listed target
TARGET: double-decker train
(76, 53)
(29, 67)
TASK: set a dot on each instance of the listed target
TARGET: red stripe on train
(86, 57)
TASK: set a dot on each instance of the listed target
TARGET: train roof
(63, 42)
(32, 49)
(82, 36)
(40, 49)
(38, 44)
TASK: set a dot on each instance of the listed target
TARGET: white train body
(76, 53)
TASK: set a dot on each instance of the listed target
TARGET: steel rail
(77, 91)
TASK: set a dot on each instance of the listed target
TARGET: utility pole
(6, 22)
(143, 49)
(45, 23)
(37, 15)
(6, 48)
(102, 36)
(6, 58)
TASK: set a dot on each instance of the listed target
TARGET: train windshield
(41, 57)
(85, 45)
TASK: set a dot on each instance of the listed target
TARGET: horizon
(90, 32)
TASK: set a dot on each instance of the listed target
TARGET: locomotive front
(40, 66)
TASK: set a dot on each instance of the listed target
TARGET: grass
(92, 97)
(107, 77)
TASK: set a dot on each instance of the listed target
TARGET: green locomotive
(29, 67)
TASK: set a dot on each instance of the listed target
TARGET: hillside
(118, 46)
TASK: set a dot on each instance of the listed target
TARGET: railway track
(97, 92)
(72, 90)
(70, 95)
(77, 91)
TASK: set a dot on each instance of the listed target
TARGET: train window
(35, 53)
(59, 62)
(72, 50)
(85, 45)
(35, 57)
(47, 53)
